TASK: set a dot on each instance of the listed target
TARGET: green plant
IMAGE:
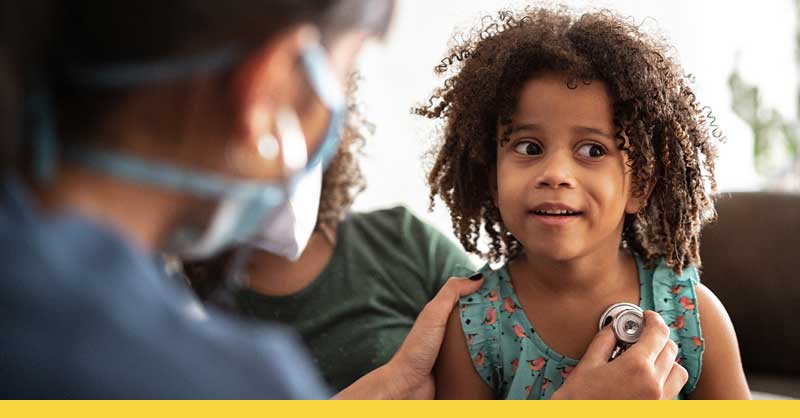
(772, 132)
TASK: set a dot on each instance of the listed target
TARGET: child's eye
(591, 151)
(528, 148)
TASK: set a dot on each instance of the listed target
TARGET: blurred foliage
(776, 139)
(770, 128)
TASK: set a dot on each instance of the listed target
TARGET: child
(576, 144)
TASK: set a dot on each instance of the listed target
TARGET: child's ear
(636, 202)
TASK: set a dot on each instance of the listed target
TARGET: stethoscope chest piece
(627, 322)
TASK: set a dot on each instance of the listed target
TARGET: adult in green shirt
(356, 311)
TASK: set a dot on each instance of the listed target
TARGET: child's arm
(721, 376)
(456, 377)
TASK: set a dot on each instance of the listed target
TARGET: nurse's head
(220, 106)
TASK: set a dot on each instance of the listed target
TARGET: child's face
(562, 184)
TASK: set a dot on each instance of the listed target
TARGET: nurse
(147, 127)
(131, 129)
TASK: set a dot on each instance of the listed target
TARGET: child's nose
(556, 172)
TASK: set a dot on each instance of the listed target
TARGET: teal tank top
(516, 363)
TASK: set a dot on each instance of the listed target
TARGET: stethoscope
(627, 322)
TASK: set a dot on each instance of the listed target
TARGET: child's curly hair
(670, 140)
(343, 180)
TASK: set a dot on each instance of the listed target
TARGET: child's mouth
(562, 212)
(555, 217)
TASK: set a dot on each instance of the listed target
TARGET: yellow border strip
(399, 409)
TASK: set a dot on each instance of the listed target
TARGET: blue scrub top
(84, 314)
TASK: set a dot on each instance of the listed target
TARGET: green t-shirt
(386, 266)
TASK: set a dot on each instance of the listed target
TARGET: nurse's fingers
(435, 314)
(654, 337)
(665, 360)
(418, 352)
(599, 350)
(678, 376)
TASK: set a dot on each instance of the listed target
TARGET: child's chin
(554, 252)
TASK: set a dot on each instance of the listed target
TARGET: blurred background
(744, 59)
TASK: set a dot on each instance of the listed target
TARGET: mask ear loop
(39, 112)
(329, 91)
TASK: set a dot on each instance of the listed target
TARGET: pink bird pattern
(679, 304)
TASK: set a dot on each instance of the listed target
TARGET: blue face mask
(243, 206)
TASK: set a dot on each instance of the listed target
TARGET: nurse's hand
(408, 375)
(647, 370)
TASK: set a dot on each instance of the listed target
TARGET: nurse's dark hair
(670, 139)
(38, 36)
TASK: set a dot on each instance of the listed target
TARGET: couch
(751, 261)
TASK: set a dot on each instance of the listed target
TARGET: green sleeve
(441, 257)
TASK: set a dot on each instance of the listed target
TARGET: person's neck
(273, 275)
(140, 213)
(593, 274)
